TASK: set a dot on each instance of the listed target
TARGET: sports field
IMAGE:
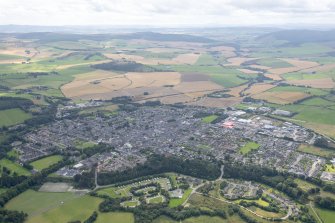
(46, 162)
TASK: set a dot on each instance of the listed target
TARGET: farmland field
(13, 116)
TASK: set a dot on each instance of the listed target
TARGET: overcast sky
(167, 12)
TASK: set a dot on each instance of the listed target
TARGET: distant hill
(300, 36)
(45, 37)
(153, 36)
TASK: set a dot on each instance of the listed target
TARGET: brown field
(325, 129)
(190, 77)
(237, 61)
(322, 68)
(260, 67)
(235, 91)
(258, 88)
(162, 50)
(197, 89)
(165, 86)
(315, 83)
(280, 97)
(18, 51)
(99, 83)
(274, 77)
(61, 67)
(301, 63)
(297, 66)
(222, 48)
(217, 102)
(247, 71)
(187, 58)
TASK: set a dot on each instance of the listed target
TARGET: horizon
(162, 13)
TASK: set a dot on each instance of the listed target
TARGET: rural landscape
(167, 125)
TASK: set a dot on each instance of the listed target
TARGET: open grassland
(115, 217)
(175, 202)
(14, 167)
(201, 219)
(13, 116)
(319, 102)
(310, 149)
(304, 185)
(46, 162)
(247, 148)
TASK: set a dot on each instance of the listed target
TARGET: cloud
(166, 12)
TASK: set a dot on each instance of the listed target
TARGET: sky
(167, 12)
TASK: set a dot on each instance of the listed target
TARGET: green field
(46, 162)
(330, 168)
(156, 200)
(35, 203)
(249, 147)
(14, 167)
(200, 219)
(115, 217)
(175, 202)
(209, 119)
(316, 150)
(327, 216)
(13, 116)
(9, 57)
(44, 207)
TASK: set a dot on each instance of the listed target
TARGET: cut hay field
(311, 91)
(258, 88)
(314, 83)
(14, 167)
(281, 98)
(13, 116)
(46, 162)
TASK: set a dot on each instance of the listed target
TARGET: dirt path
(316, 214)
